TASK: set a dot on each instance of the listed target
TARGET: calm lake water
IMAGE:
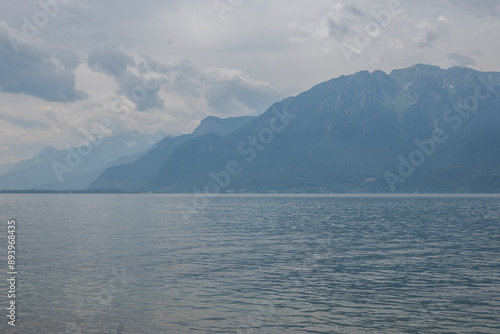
(253, 264)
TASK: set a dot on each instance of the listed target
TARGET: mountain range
(74, 168)
(418, 129)
(134, 176)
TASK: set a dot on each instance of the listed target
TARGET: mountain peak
(46, 153)
(417, 69)
(221, 126)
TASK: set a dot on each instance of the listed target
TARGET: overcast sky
(162, 66)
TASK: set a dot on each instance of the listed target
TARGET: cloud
(459, 59)
(135, 87)
(478, 8)
(337, 30)
(444, 19)
(341, 20)
(144, 95)
(336, 22)
(36, 72)
(213, 91)
(355, 10)
(222, 91)
(109, 61)
(228, 90)
(26, 123)
(426, 34)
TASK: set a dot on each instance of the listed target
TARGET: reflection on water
(260, 264)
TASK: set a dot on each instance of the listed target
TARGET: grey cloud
(459, 59)
(427, 39)
(139, 89)
(355, 10)
(227, 89)
(67, 57)
(27, 123)
(187, 80)
(337, 30)
(145, 96)
(111, 61)
(426, 34)
(340, 26)
(150, 64)
(36, 72)
(183, 77)
(479, 8)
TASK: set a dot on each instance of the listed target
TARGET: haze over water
(256, 264)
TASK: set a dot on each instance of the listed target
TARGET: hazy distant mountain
(417, 129)
(134, 176)
(5, 168)
(83, 180)
(74, 168)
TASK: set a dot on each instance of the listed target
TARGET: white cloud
(444, 19)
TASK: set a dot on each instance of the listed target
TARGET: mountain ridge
(51, 168)
(349, 131)
(134, 176)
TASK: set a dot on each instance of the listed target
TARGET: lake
(152, 263)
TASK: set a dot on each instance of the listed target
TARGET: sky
(160, 67)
